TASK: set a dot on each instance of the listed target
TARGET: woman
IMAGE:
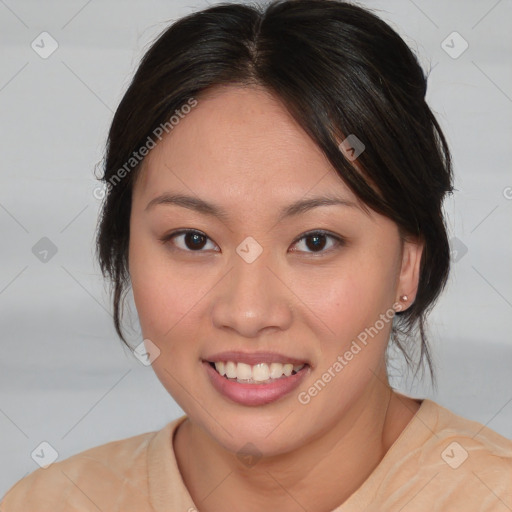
(275, 186)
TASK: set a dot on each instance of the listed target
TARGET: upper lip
(253, 358)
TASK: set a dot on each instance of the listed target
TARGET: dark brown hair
(339, 70)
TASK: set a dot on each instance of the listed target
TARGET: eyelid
(339, 240)
(173, 234)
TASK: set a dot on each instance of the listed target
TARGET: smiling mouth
(261, 373)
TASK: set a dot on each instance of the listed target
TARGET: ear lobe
(410, 271)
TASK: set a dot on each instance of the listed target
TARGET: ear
(408, 280)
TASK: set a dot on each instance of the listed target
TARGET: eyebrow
(206, 208)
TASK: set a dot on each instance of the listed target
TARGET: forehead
(239, 141)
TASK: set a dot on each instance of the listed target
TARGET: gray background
(64, 376)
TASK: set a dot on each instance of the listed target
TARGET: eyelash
(339, 241)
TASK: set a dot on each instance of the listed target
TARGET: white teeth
(220, 368)
(276, 370)
(231, 370)
(243, 371)
(260, 372)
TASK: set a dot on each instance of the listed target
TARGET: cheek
(350, 303)
(159, 293)
(350, 297)
(165, 306)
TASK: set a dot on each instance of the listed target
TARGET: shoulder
(460, 434)
(92, 479)
(460, 462)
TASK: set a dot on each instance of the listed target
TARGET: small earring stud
(404, 298)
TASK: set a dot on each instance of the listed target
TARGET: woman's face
(253, 282)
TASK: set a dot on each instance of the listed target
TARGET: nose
(252, 298)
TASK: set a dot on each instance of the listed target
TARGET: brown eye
(189, 240)
(316, 241)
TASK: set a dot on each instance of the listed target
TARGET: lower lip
(255, 394)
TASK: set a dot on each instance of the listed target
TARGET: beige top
(440, 462)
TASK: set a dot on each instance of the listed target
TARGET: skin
(240, 149)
